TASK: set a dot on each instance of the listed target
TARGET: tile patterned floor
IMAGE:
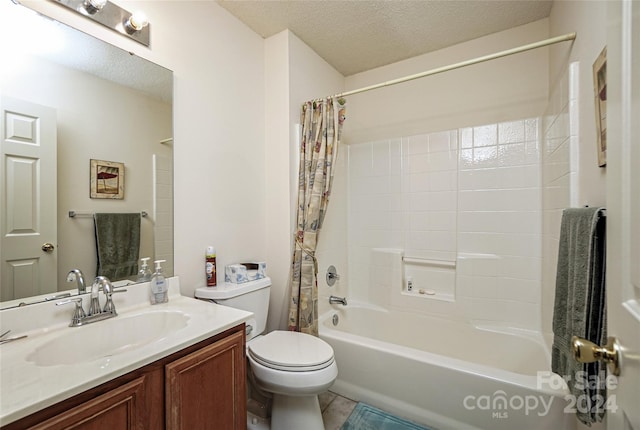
(335, 409)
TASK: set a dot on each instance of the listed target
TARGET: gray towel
(580, 307)
(117, 244)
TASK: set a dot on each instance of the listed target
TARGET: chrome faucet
(334, 300)
(95, 313)
(76, 274)
(94, 306)
(109, 289)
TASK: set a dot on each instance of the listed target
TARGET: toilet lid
(291, 351)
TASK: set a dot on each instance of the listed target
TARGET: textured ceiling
(358, 35)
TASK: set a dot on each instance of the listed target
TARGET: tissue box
(245, 272)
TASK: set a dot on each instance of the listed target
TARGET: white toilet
(295, 367)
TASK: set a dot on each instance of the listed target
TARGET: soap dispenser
(144, 274)
(159, 287)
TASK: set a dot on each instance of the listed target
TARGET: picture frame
(107, 180)
(600, 99)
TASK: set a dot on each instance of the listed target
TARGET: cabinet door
(120, 408)
(206, 389)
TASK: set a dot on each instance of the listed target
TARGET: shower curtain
(320, 138)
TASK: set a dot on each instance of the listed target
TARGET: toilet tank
(252, 296)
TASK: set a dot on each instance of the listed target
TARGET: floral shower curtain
(321, 130)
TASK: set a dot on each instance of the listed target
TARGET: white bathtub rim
(531, 335)
(486, 325)
(523, 381)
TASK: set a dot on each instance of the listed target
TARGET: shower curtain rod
(523, 48)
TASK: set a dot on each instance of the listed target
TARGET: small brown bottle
(211, 266)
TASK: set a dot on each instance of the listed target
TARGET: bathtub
(444, 374)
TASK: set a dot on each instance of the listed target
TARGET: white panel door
(28, 198)
(623, 203)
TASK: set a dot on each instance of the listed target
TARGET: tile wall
(402, 194)
(560, 127)
(499, 223)
(163, 211)
(471, 196)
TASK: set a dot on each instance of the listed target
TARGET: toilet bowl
(295, 367)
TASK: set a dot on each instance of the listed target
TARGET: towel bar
(73, 214)
(602, 212)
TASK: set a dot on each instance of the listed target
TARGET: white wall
(588, 20)
(294, 74)
(513, 87)
(219, 130)
(571, 176)
(279, 170)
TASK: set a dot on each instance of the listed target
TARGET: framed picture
(107, 179)
(600, 93)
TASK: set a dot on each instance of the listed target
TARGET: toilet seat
(291, 351)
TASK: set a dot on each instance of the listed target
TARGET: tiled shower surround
(470, 196)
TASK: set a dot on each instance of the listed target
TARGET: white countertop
(26, 388)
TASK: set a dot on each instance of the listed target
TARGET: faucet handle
(78, 314)
(332, 276)
(109, 307)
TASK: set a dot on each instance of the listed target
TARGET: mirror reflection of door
(28, 199)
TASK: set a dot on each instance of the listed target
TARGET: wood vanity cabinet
(199, 387)
(206, 389)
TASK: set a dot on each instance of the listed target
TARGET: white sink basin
(107, 338)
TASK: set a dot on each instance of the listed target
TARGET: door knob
(48, 247)
(585, 351)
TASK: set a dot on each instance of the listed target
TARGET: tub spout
(338, 300)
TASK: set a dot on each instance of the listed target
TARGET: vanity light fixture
(132, 25)
(93, 6)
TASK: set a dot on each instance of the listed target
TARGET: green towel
(580, 306)
(117, 244)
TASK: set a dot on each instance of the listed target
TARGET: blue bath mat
(366, 417)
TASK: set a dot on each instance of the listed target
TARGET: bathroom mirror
(109, 105)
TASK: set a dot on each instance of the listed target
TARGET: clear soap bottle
(144, 274)
(159, 286)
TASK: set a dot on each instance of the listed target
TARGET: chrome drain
(335, 319)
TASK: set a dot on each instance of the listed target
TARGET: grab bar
(427, 262)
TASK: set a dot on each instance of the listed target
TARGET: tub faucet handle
(332, 276)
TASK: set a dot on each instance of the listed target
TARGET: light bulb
(138, 20)
(93, 6)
